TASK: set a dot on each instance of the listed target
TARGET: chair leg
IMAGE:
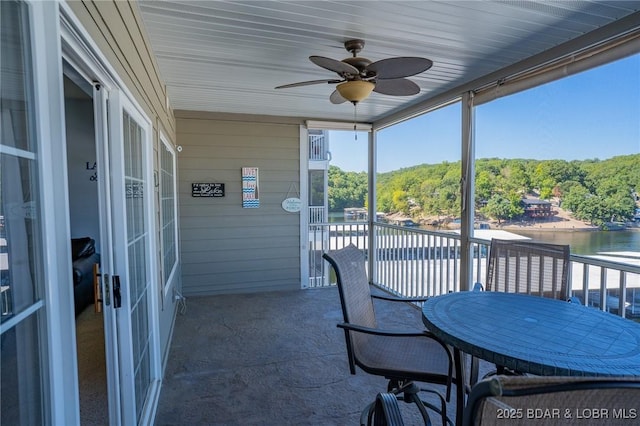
(411, 396)
(367, 414)
(386, 411)
(475, 367)
(409, 392)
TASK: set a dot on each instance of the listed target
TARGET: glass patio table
(534, 335)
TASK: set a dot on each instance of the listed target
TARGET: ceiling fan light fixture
(356, 90)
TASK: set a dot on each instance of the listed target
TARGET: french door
(129, 296)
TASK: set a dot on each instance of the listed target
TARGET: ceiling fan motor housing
(361, 64)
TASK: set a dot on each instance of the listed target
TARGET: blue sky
(594, 114)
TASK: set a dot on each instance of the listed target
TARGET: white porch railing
(317, 214)
(417, 262)
(318, 148)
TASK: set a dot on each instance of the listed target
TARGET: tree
(346, 189)
(498, 207)
(436, 187)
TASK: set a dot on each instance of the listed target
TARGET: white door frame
(110, 100)
(57, 352)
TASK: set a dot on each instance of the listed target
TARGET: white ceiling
(229, 56)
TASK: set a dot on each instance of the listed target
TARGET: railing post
(467, 183)
(371, 182)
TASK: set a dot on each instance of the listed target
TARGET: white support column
(304, 211)
(372, 151)
(467, 185)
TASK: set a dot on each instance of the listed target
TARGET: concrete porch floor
(272, 358)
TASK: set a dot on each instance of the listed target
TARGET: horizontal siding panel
(245, 233)
(231, 151)
(237, 279)
(231, 204)
(211, 245)
(231, 222)
(255, 268)
(259, 217)
(219, 289)
(200, 144)
(235, 128)
(251, 159)
(227, 254)
(233, 172)
(233, 277)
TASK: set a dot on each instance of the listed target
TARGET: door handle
(107, 289)
(117, 297)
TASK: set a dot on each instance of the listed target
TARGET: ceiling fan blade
(308, 83)
(336, 98)
(404, 66)
(397, 87)
(340, 67)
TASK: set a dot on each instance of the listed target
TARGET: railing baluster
(622, 305)
(603, 289)
(585, 283)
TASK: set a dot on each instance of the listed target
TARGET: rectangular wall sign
(250, 194)
(207, 189)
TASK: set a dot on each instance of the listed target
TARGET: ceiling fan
(359, 76)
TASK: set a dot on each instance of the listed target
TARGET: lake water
(588, 242)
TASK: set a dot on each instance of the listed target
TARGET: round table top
(536, 335)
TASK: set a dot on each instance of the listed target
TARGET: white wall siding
(227, 248)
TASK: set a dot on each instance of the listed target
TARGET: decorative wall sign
(207, 189)
(292, 204)
(250, 193)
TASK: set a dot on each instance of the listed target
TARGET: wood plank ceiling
(229, 56)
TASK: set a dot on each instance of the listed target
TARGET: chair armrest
(574, 299)
(379, 332)
(391, 298)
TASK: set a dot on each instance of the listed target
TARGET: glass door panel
(135, 331)
(21, 246)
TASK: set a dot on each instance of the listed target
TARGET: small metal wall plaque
(207, 189)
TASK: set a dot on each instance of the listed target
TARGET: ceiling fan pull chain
(355, 120)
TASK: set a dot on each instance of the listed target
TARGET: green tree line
(593, 190)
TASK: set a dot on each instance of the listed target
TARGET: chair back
(355, 296)
(553, 400)
(353, 285)
(540, 269)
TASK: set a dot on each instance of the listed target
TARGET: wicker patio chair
(403, 357)
(540, 269)
(553, 400)
(528, 267)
